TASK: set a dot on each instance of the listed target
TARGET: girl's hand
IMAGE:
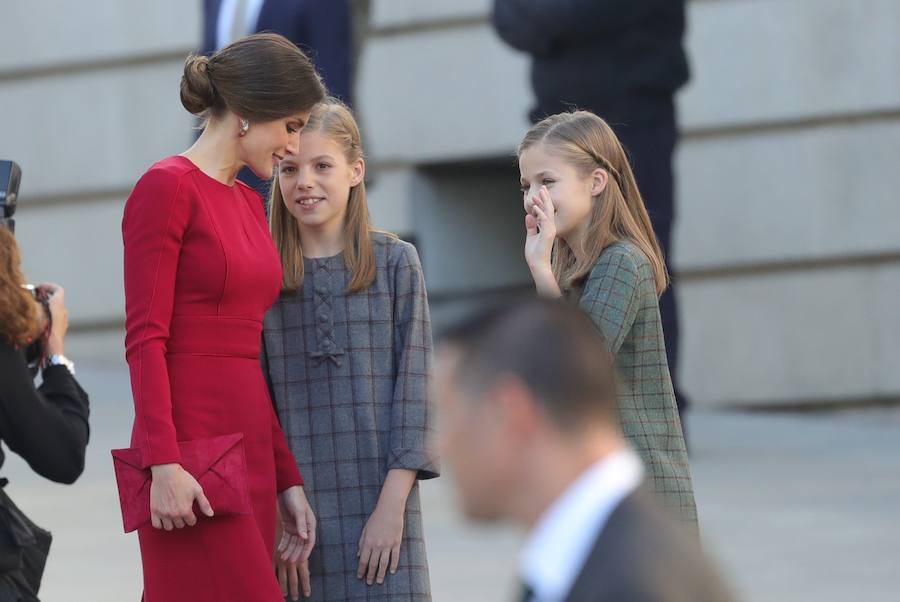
(298, 524)
(293, 577)
(379, 544)
(173, 492)
(540, 228)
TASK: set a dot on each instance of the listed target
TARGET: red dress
(200, 272)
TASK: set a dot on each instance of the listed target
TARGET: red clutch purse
(218, 464)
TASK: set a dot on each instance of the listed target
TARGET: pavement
(793, 506)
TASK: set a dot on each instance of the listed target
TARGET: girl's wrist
(392, 501)
(542, 273)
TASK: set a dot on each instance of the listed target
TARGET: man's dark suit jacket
(322, 29)
(641, 556)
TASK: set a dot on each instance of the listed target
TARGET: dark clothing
(323, 30)
(47, 426)
(622, 59)
(640, 556)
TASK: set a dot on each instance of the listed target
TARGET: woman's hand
(173, 492)
(59, 315)
(298, 525)
(379, 545)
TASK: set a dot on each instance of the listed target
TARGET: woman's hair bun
(198, 93)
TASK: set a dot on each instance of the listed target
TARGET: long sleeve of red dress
(153, 226)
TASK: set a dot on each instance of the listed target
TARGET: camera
(10, 176)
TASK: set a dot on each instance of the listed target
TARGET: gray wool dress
(348, 375)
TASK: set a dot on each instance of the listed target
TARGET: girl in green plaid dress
(347, 351)
(589, 238)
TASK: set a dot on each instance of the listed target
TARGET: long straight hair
(335, 120)
(586, 142)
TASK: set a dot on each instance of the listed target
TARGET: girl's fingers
(364, 556)
(304, 579)
(395, 559)
(373, 566)
(545, 198)
(383, 566)
(281, 572)
(531, 225)
(542, 217)
(294, 582)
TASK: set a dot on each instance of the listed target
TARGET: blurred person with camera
(47, 425)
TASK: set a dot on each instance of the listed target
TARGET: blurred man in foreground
(527, 397)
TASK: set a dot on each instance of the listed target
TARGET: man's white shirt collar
(559, 544)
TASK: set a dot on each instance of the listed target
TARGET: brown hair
(587, 142)
(262, 77)
(19, 319)
(573, 378)
(335, 120)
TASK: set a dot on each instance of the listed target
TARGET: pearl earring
(245, 125)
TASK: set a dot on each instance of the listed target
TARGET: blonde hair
(19, 318)
(587, 142)
(335, 120)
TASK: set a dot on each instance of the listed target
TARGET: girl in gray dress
(347, 351)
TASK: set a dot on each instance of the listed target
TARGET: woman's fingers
(531, 225)
(307, 545)
(203, 503)
(292, 552)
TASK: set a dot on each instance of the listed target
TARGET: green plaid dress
(620, 296)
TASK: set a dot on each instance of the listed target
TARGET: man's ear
(516, 406)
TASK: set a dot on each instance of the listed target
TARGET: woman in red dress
(200, 272)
